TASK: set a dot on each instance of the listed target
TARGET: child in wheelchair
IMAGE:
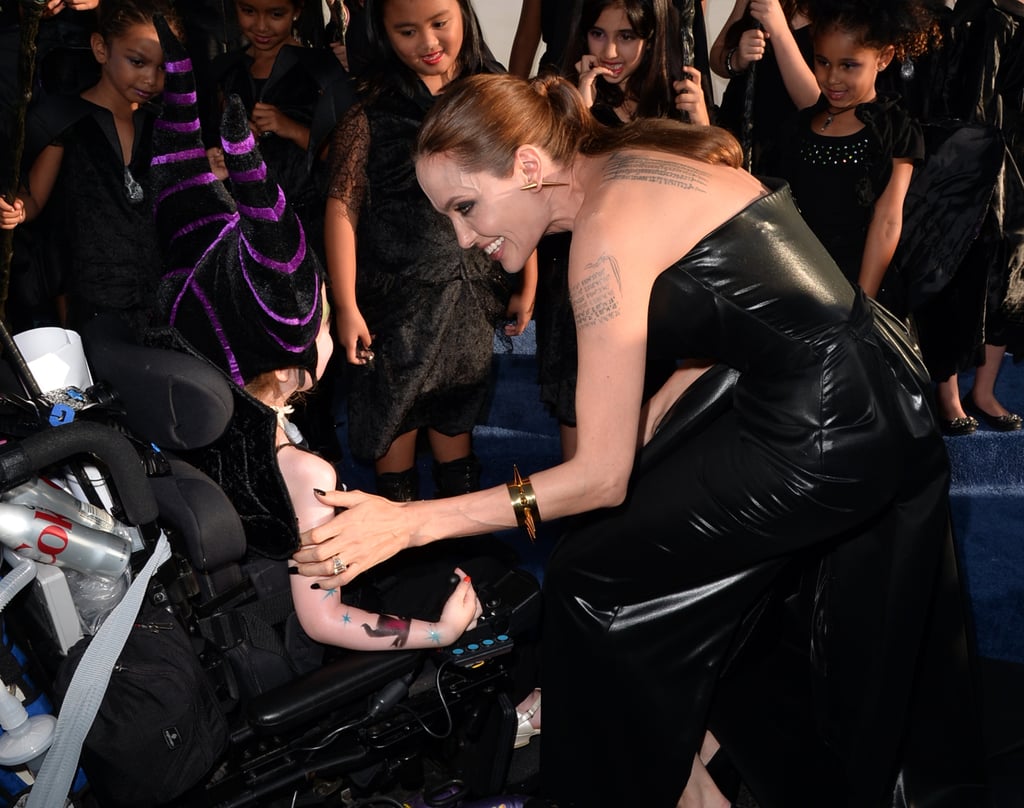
(243, 293)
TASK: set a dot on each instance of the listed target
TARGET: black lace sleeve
(347, 158)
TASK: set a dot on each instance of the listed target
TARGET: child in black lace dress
(415, 312)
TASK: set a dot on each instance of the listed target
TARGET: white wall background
(499, 19)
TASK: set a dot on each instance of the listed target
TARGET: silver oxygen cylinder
(51, 537)
(45, 493)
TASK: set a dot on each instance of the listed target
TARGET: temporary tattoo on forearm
(434, 635)
(656, 170)
(396, 627)
(595, 297)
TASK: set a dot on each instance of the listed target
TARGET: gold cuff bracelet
(524, 503)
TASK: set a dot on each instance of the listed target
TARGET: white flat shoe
(525, 730)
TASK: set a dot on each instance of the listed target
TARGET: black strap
(13, 672)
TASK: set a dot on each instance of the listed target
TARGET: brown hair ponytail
(480, 121)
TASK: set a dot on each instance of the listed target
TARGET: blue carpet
(987, 499)
(987, 490)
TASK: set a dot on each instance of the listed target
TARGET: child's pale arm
(321, 612)
(326, 619)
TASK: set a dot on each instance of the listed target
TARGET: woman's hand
(690, 97)
(462, 609)
(368, 530)
(588, 70)
(11, 215)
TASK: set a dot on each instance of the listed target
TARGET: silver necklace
(132, 188)
(832, 113)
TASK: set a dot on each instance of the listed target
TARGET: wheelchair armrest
(303, 701)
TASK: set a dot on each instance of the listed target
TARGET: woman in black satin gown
(794, 444)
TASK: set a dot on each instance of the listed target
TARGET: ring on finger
(339, 565)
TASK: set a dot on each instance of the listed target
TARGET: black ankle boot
(457, 476)
(399, 486)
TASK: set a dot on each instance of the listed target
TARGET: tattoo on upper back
(595, 297)
(640, 168)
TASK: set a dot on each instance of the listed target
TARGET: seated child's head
(277, 387)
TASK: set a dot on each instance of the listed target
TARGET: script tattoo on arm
(640, 168)
(595, 297)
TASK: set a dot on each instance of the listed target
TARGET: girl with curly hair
(850, 156)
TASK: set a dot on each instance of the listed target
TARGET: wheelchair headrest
(172, 399)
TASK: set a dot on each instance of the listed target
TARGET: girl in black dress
(851, 156)
(90, 167)
(415, 313)
(294, 96)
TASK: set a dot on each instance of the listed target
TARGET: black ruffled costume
(308, 85)
(431, 306)
(100, 239)
(824, 450)
(836, 181)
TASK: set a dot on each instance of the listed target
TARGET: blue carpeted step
(987, 460)
(990, 544)
(987, 504)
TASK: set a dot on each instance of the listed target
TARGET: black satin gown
(796, 498)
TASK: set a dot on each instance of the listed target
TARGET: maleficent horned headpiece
(241, 285)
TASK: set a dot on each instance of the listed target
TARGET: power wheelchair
(338, 727)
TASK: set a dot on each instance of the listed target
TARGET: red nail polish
(466, 579)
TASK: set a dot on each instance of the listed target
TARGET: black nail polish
(318, 492)
(293, 570)
(314, 586)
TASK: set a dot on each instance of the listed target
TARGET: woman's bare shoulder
(658, 196)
